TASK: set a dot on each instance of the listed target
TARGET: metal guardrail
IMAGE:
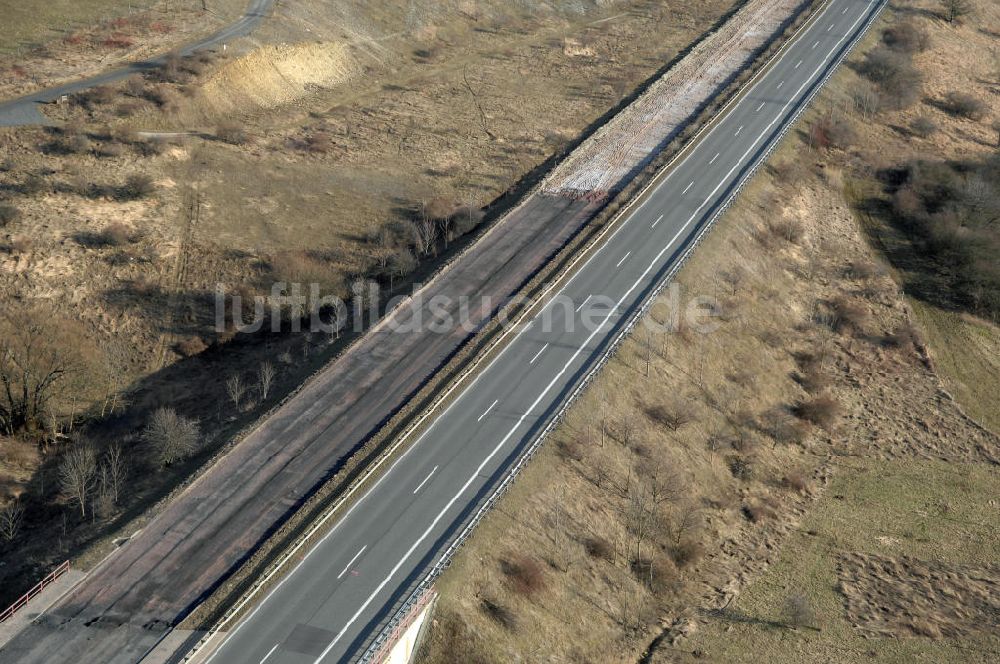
(418, 596)
(31, 594)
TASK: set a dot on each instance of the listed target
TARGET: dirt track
(161, 575)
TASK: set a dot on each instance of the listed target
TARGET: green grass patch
(927, 510)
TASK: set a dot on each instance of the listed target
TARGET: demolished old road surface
(340, 595)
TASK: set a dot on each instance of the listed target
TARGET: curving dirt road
(24, 110)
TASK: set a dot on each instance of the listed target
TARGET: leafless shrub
(34, 184)
(923, 126)
(789, 230)
(717, 441)
(524, 574)
(796, 481)
(672, 414)
(499, 614)
(110, 150)
(812, 378)
(401, 263)
(822, 410)
(191, 346)
(232, 132)
(954, 10)
(867, 99)
(161, 95)
(832, 131)
(8, 214)
(77, 471)
(862, 269)
(151, 147)
(741, 467)
(786, 172)
(11, 518)
(569, 450)
(904, 336)
(894, 72)
(687, 552)
(116, 234)
(798, 612)
(757, 512)
(843, 315)
(318, 142)
(466, 218)
(965, 105)
(658, 574)
(600, 548)
(308, 267)
(135, 85)
(170, 437)
(906, 36)
(20, 244)
(137, 186)
(781, 426)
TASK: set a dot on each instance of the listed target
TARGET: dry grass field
(799, 484)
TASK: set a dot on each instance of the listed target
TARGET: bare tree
(955, 9)
(116, 369)
(236, 389)
(77, 472)
(11, 518)
(423, 232)
(170, 436)
(112, 473)
(647, 344)
(866, 100)
(364, 297)
(734, 277)
(33, 368)
(265, 377)
(401, 263)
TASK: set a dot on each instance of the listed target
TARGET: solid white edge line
(487, 411)
(356, 556)
(540, 351)
(429, 475)
(269, 653)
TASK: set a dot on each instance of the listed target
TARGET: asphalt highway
(333, 602)
(24, 110)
